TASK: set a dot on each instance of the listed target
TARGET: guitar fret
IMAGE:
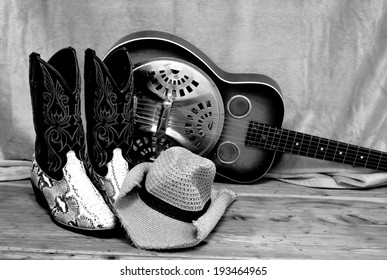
(266, 136)
(263, 135)
(364, 157)
(272, 146)
(257, 135)
(306, 142)
(301, 144)
(382, 162)
(317, 147)
(326, 150)
(346, 153)
(296, 144)
(309, 140)
(279, 133)
(249, 141)
(351, 154)
(335, 153)
(368, 156)
(380, 158)
(287, 139)
(357, 152)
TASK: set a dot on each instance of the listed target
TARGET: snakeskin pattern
(111, 183)
(73, 201)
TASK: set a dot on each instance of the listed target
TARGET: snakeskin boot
(58, 173)
(109, 116)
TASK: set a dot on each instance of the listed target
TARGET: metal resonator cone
(175, 103)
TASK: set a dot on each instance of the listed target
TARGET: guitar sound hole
(239, 106)
(228, 152)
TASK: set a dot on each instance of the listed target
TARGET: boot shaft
(109, 116)
(56, 107)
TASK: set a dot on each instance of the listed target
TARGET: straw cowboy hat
(171, 203)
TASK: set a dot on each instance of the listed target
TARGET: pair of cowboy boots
(78, 176)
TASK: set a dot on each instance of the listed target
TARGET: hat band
(169, 210)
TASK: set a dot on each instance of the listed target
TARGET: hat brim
(150, 229)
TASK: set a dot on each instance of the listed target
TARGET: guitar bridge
(146, 114)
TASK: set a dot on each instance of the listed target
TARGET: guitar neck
(288, 141)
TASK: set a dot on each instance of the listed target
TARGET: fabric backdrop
(329, 58)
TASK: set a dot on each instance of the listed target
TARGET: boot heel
(39, 196)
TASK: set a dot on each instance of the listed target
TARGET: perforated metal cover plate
(175, 103)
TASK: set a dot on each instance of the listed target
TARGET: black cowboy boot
(58, 174)
(109, 118)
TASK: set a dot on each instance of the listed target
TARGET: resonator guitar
(182, 98)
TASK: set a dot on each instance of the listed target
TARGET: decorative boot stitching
(63, 130)
(105, 115)
(113, 120)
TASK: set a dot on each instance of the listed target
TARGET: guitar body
(234, 160)
(245, 97)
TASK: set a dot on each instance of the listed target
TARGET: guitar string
(175, 114)
(377, 162)
(350, 151)
(153, 105)
(150, 115)
(152, 108)
(319, 138)
(347, 153)
(148, 108)
(245, 123)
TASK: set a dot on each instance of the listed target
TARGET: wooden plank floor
(270, 220)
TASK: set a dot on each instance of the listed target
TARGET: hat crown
(181, 178)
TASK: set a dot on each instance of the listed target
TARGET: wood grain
(270, 220)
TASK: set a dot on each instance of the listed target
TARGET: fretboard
(288, 141)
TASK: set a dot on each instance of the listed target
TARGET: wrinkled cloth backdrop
(329, 58)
